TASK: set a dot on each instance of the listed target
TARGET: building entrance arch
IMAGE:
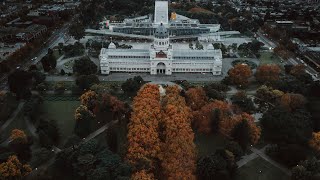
(161, 68)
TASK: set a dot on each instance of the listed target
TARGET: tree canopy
(84, 66)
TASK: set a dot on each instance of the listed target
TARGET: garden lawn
(251, 171)
(269, 58)
(208, 144)
(63, 113)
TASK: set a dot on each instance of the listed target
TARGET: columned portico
(161, 68)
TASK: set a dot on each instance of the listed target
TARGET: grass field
(269, 58)
(208, 144)
(259, 169)
(63, 113)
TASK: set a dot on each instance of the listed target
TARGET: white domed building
(161, 58)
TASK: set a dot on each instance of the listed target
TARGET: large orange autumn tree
(143, 130)
(178, 150)
(196, 98)
(268, 73)
(228, 124)
(205, 117)
(239, 75)
(13, 169)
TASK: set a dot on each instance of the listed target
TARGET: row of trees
(269, 74)
(160, 136)
(178, 150)
(219, 117)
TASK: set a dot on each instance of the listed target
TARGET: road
(52, 41)
(292, 60)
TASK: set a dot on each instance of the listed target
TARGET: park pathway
(261, 153)
(9, 121)
(245, 159)
(45, 165)
(12, 117)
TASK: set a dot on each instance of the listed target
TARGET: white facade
(161, 58)
(161, 12)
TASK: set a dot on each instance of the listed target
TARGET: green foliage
(40, 156)
(288, 154)
(84, 66)
(85, 122)
(216, 91)
(241, 134)
(48, 133)
(49, 62)
(235, 148)
(220, 46)
(199, 46)
(77, 30)
(38, 77)
(19, 83)
(306, 170)
(244, 102)
(132, 85)
(220, 165)
(30, 108)
(74, 50)
(90, 160)
(280, 126)
(86, 81)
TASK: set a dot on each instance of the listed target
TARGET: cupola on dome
(161, 32)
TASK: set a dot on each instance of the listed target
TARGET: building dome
(161, 32)
(112, 46)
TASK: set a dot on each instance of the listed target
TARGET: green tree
(48, 133)
(84, 66)
(86, 81)
(19, 83)
(281, 126)
(132, 85)
(220, 165)
(77, 30)
(241, 134)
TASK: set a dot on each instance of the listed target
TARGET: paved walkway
(261, 153)
(9, 121)
(56, 149)
(245, 159)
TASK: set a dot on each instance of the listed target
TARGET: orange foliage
(89, 99)
(143, 137)
(196, 98)
(82, 112)
(314, 143)
(18, 135)
(178, 150)
(228, 124)
(13, 169)
(298, 70)
(292, 101)
(268, 73)
(142, 175)
(202, 118)
(240, 74)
